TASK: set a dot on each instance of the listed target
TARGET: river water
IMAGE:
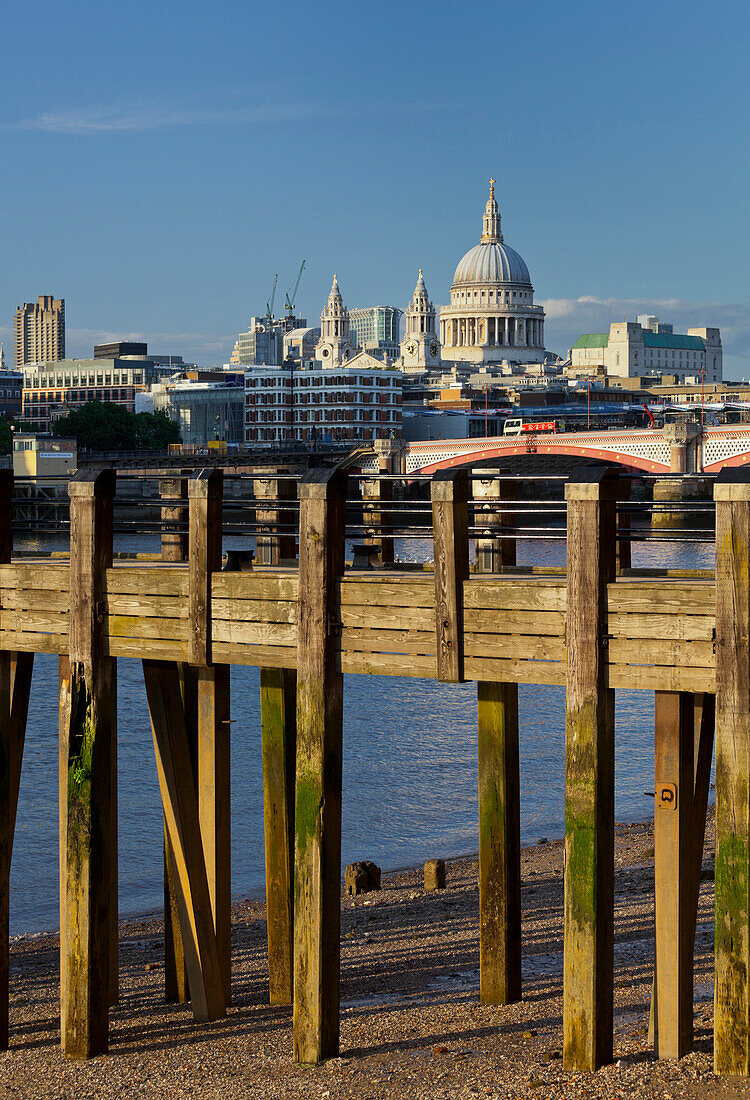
(410, 768)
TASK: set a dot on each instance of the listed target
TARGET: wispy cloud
(144, 117)
(93, 121)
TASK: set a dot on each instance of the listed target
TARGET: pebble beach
(411, 1021)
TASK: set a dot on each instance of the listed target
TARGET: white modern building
(492, 315)
(342, 403)
(633, 348)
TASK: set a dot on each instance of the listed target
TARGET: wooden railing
(594, 627)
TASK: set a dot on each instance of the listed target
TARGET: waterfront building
(39, 331)
(205, 410)
(263, 343)
(630, 350)
(35, 456)
(335, 347)
(52, 390)
(420, 348)
(492, 315)
(376, 329)
(343, 403)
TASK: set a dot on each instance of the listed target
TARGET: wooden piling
(317, 819)
(180, 804)
(205, 499)
(377, 516)
(174, 548)
(450, 528)
(278, 722)
(276, 540)
(674, 847)
(589, 774)
(88, 723)
(8, 764)
(493, 553)
(732, 928)
(499, 844)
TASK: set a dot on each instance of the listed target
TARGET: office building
(630, 350)
(39, 331)
(341, 403)
(206, 410)
(263, 343)
(52, 390)
(376, 329)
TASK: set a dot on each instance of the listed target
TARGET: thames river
(410, 769)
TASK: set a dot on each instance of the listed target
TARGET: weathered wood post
(278, 723)
(88, 715)
(213, 708)
(174, 548)
(278, 543)
(674, 849)
(589, 774)
(377, 516)
(499, 782)
(15, 685)
(732, 933)
(449, 491)
(317, 818)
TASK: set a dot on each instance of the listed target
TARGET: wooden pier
(594, 627)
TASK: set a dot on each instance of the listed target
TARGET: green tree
(6, 437)
(105, 426)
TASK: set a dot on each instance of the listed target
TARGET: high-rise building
(375, 329)
(39, 331)
(263, 343)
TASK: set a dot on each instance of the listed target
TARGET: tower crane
(290, 301)
(269, 305)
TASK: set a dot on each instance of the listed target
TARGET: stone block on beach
(362, 876)
(434, 875)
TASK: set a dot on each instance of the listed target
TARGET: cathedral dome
(491, 262)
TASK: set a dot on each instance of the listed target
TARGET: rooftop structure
(492, 315)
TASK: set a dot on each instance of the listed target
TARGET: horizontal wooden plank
(387, 593)
(391, 618)
(29, 642)
(148, 606)
(510, 670)
(388, 641)
(41, 574)
(665, 597)
(35, 599)
(674, 627)
(269, 634)
(240, 610)
(160, 649)
(480, 620)
(260, 656)
(524, 647)
(156, 580)
(147, 629)
(38, 622)
(510, 594)
(661, 678)
(255, 586)
(647, 651)
(385, 665)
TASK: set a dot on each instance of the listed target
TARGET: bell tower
(334, 349)
(420, 346)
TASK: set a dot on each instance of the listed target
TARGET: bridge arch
(549, 445)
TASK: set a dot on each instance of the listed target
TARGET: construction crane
(289, 307)
(269, 305)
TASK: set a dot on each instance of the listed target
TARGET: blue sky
(160, 162)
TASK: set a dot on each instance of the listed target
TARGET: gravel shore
(411, 1022)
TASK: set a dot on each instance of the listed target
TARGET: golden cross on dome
(492, 184)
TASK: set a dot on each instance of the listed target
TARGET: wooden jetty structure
(594, 626)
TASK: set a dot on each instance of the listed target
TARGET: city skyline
(619, 168)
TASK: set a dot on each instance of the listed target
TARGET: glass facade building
(376, 329)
